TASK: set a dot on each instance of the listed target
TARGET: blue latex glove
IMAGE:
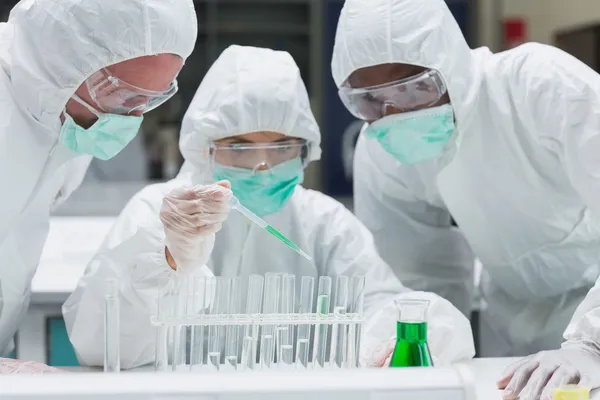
(535, 377)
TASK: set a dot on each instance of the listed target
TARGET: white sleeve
(564, 109)
(414, 237)
(350, 250)
(134, 254)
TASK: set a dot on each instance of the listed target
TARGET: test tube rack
(202, 325)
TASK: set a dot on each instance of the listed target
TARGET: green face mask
(414, 137)
(263, 192)
(110, 134)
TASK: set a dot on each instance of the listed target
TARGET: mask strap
(86, 105)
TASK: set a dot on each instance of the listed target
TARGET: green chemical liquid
(411, 346)
(286, 241)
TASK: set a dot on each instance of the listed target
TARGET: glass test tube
(112, 356)
(320, 341)
(307, 290)
(270, 306)
(218, 310)
(339, 331)
(179, 340)
(285, 333)
(161, 353)
(356, 305)
(253, 307)
(231, 338)
(200, 303)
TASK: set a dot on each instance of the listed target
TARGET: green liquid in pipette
(285, 241)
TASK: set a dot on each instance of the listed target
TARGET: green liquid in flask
(411, 346)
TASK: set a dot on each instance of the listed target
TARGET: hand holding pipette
(191, 216)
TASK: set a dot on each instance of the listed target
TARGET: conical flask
(411, 335)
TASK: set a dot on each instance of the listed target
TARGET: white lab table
(71, 244)
(486, 372)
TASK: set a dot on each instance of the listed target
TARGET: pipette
(235, 204)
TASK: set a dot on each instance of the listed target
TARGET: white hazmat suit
(246, 90)
(47, 50)
(521, 177)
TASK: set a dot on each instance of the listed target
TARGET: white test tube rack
(177, 321)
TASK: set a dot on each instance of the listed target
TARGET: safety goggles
(409, 94)
(115, 96)
(258, 156)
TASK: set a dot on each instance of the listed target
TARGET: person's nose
(263, 166)
(136, 113)
(389, 109)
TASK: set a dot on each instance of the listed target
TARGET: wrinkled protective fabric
(231, 101)
(9, 366)
(110, 134)
(536, 376)
(338, 243)
(521, 179)
(47, 49)
(190, 217)
(263, 192)
(414, 137)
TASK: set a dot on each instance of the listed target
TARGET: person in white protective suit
(76, 77)
(250, 128)
(506, 145)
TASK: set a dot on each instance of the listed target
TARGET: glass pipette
(235, 204)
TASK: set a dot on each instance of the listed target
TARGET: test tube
(161, 356)
(178, 330)
(320, 341)
(200, 303)
(285, 333)
(218, 311)
(253, 307)
(271, 301)
(231, 338)
(339, 331)
(112, 356)
(307, 290)
(355, 307)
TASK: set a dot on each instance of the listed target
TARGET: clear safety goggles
(258, 156)
(409, 94)
(115, 96)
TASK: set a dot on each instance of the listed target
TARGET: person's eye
(425, 87)
(371, 99)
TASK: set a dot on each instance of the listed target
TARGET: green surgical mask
(110, 134)
(414, 137)
(262, 192)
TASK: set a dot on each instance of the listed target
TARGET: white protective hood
(247, 89)
(416, 32)
(58, 44)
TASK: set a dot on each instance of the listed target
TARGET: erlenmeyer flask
(411, 335)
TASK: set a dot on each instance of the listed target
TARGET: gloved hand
(9, 366)
(191, 217)
(450, 337)
(536, 376)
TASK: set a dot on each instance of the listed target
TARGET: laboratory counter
(474, 380)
